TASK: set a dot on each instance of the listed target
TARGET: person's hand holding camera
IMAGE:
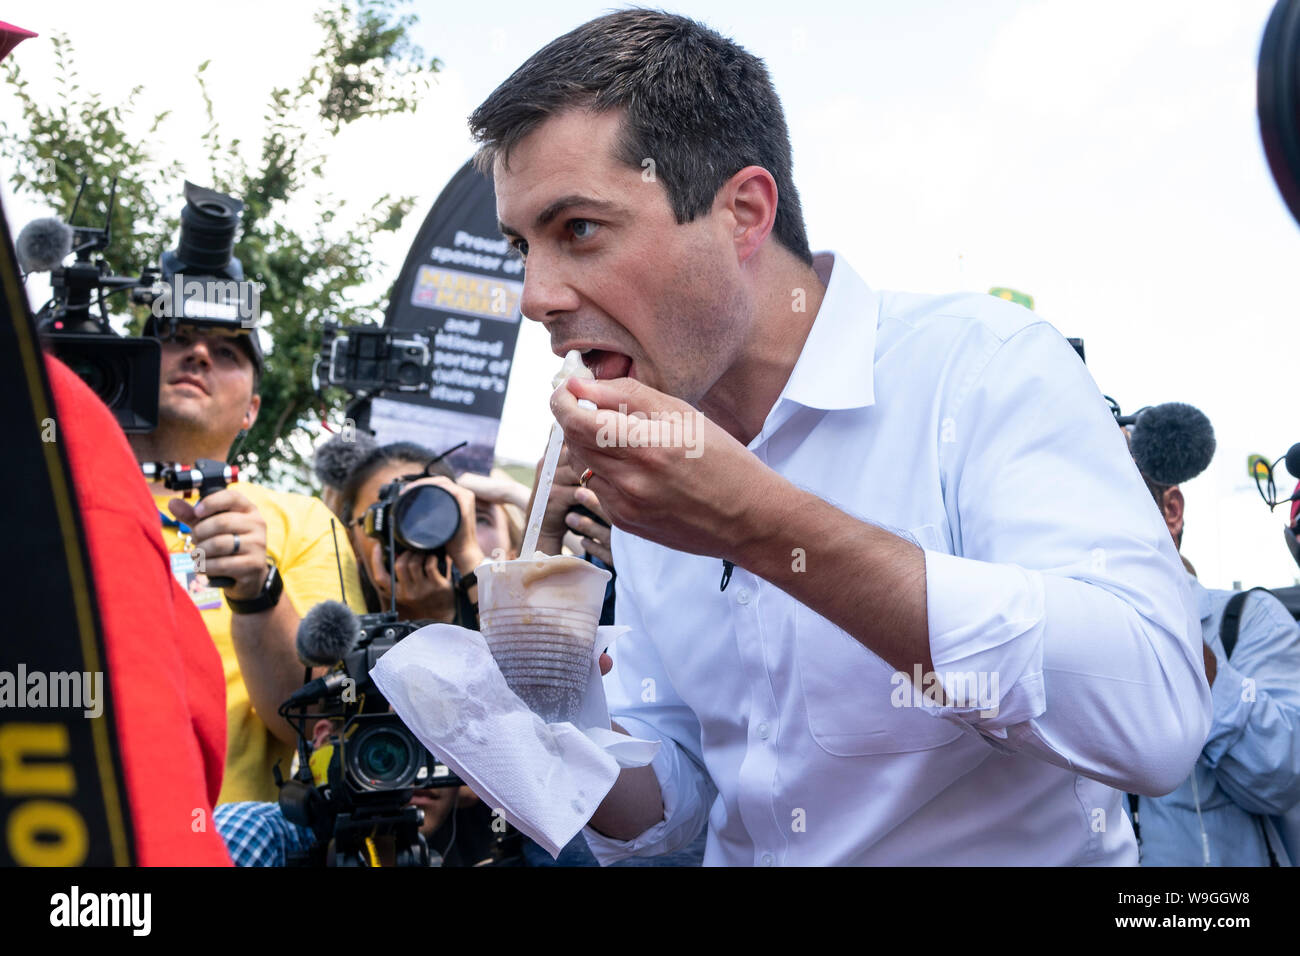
(424, 592)
(229, 534)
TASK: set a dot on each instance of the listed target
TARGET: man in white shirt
(896, 590)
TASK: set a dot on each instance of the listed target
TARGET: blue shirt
(1250, 765)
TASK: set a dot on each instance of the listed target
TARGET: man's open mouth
(606, 364)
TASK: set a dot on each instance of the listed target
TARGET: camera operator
(1249, 768)
(267, 541)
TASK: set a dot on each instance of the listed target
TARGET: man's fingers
(614, 392)
(606, 664)
(182, 511)
(227, 499)
(590, 500)
(230, 522)
(585, 526)
(599, 550)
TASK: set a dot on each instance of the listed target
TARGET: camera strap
(63, 798)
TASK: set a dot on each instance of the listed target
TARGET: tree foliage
(366, 67)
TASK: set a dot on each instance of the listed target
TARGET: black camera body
(124, 371)
(367, 360)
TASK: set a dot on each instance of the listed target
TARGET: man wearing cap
(277, 547)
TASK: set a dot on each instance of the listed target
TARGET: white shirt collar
(835, 369)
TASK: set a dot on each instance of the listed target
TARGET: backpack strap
(1231, 622)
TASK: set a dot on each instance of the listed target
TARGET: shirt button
(767, 859)
(763, 730)
(742, 596)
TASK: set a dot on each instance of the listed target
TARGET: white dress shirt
(969, 425)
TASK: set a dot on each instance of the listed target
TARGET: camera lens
(382, 757)
(104, 376)
(384, 754)
(425, 518)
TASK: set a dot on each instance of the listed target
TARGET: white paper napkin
(546, 779)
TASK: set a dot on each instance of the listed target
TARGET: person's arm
(1254, 741)
(661, 807)
(1066, 589)
(264, 641)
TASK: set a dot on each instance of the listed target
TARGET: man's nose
(197, 351)
(548, 292)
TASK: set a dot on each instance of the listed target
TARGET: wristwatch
(270, 596)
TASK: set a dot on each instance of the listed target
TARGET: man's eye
(582, 228)
(520, 246)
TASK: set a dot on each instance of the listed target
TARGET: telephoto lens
(422, 519)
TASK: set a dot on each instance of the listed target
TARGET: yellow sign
(450, 290)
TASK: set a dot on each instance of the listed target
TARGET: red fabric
(168, 690)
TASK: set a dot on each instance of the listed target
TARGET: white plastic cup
(539, 618)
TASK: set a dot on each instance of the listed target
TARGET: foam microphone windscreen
(335, 459)
(326, 633)
(1172, 443)
(43, 244)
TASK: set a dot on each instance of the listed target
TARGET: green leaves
(311, 257)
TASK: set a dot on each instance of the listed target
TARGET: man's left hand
(214, 522)
(661, 469)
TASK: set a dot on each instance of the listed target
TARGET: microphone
(314, 690)
(43, 244)
(335, 459)
(328, 632)
(1174, 442)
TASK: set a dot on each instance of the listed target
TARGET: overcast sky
(1101, 155)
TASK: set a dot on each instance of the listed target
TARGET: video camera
(199, 283)
(358, 787)
(366, 360)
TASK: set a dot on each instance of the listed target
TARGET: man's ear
(1172, 506)
(749, 198)
(250, 416)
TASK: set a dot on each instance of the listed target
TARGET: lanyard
(184, 529)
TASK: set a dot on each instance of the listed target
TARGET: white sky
(1101, 155)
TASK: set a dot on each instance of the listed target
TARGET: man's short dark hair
(695, 102)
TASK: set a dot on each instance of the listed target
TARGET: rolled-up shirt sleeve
(1064, 590)
(642, 700)
(1254, 742)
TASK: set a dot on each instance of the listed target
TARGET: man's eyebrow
(558, 206)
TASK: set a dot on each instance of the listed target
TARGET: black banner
(62, 793)
(461, 284)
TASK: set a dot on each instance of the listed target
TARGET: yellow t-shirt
(299, 541)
